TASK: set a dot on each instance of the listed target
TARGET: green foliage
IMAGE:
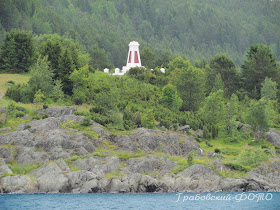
(257, 117)
(231, 115)
(213, 109)
(80, 85)
(148, 57)
(236, 166)
(190, 83)
(17, 53)
(218, 84)
(260, 64)
(41, 76)
(23, 169)
(10, 111)
(223, 65)
(217, 150)
(252, 157)
(170, 97)
(38, 98)
(269, 89)
(26, 127)
(190, 158)
(86, 121)
(57, 93)
(19, 114)
(148, 121)
(45, 116)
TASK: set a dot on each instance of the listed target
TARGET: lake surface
(142, 201)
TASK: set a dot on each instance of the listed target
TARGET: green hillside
(193, 29)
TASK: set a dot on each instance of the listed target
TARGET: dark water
(147, 201)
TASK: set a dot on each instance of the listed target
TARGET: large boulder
(197, 178)
(87, 163)
(110, 164)
(46, 124)
(4, 169)
(7, 153)
(149, 163)
(51, 179)
(57, 111)
(268, 175)
(28, 155)
(20, 138)
(18, 184)
(273, 136)
(154, 140)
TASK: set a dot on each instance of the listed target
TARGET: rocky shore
(51, 146)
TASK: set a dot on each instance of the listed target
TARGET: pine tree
(65, 69)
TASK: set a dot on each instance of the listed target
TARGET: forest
(192, 29)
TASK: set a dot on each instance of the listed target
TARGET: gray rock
(132, 182)
(111, 164)
(148, 164)
(7, 153)
(27, 155)
(62, 165)
(5, 169)
(20, 127)
(219, 166)
(273, 136)
(18, 184)
(184, 128)
(51, 179)
(166, 183)
(57, 111)
(104, 185)
(44, 124)
(116, 186)
(90, 187)
(2, 130)
(147, 184)
(25, 117)
(87, 164)
(99, 130)
(215, 155)
(20, 138)
(244, 127)
(154, 140)
(199, 133)
(198, 178)
(78, 178)
(71, 118)
(2, 109)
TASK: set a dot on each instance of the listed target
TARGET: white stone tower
(133, 58)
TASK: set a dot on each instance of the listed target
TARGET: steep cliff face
(66, 161)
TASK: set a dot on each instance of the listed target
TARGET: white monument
(133, 58)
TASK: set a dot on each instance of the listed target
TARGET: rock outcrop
(51, 143)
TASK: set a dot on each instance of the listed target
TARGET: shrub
(45, 116)
(36, 117)
(217, 150)
(45, 106)
(229, 151)
(97, 109)
(86, 121)
(208, 144)
(26, 127)
(190, 158)
(11, 82)
(252, 157)
(277, 150)
(21, 109)
(19, 114)
(235, 166)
